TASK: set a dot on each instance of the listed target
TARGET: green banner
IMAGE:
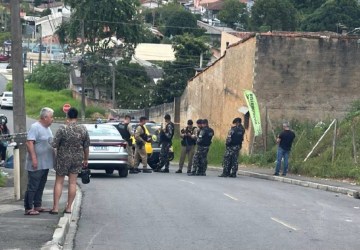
(254, 111)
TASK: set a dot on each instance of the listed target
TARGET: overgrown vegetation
(37, 98)
(2, 180)
(51, 76)
(320, 163)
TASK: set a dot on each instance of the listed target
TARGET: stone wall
(307, 77)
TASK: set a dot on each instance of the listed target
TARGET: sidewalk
(18, 231)
(331, 185)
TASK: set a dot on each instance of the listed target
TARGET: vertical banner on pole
(253, 106)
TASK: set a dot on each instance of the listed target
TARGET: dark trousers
(164, 155)
(2, 151)
(35, 188)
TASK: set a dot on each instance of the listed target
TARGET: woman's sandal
(53, 212)
(31, 212)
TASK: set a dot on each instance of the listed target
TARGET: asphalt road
(175, 211)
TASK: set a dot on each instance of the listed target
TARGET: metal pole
(334, 144)
(18, 89)
(82, 73)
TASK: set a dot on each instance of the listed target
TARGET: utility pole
(82, 72)
(40, 46)
(113, 86)
(18, 89)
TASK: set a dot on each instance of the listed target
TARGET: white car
(6, 100)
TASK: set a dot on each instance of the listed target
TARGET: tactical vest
(237, 137)
(188, 141)
(125, 134)
(143, 136)
(163, 137)
(206, 137)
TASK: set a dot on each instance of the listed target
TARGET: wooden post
(266, 129)
(327, 130)
(354, 143)
(334, 143)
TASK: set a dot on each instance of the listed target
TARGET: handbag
(85, 175)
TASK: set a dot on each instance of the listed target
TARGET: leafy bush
(51, 76)
(2, 180)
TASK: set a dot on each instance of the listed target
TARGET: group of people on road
(71, 147)
(68, 153)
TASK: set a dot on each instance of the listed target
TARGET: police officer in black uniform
(166, 135)
(233, 145)
(203, 145)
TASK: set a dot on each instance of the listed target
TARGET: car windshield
(153, 128)
(100, 130)
(8, 95)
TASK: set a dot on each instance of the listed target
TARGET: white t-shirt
(44, 152)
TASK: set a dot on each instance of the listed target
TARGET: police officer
(233, 145)
(188, 142)
(166, 135)
(126, 133)
(203, 144)
(140, 139)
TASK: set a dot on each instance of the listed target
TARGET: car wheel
(171, 156)
(152, 165)
(123, 172)
(109, 171)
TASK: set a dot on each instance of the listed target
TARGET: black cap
(199, 121)
(143, 118)
(167, 117)
(237, 120)
(205, 121)
(190, 122)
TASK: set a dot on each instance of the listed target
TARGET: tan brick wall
(227, 38)
(217, 93)
(310, 78)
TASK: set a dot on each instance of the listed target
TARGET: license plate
(100, 148)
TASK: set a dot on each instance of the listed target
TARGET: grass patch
(2, 180)
(36, 98)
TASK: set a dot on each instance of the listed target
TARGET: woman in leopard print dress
(72, 143)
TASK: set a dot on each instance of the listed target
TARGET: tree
(51, 76)
(102, 20)
(188, 49)
(274, 15)
(181, 22)
(307, 6)
(233, 13)
(334, 15)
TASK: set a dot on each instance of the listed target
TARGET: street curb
(62, 228)
(329, 188)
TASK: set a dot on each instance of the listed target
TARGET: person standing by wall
(140, 139)
(39, 159)
(166, 135)
(285, 140)
(188, 142)
(196, 158)
(233, 145)
(72, 143)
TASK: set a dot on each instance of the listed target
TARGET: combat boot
(166, 170)
(232, 175)
(224, 175)
(192, 174)
(179, 171)
(157, 169)
(133, 171)
(145, 170)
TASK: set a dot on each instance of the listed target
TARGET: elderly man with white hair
(39, 159)
(285, 140)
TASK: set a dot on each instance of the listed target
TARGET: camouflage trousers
(230, 162)
(200, 159)
(164, 155)
(130, 152)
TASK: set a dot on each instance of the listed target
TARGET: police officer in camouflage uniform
(203, 144)
(233, 145)
(127, 132)
(166, 135)
(140, 139)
